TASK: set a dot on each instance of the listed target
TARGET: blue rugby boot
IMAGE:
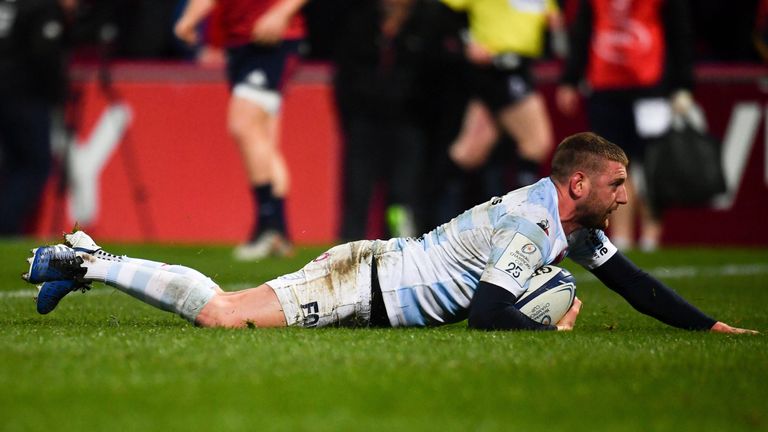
(52, 263)
(50, 293)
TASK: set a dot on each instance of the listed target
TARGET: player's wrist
(718, 327)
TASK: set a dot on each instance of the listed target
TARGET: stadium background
(176, 175)
(103, 361)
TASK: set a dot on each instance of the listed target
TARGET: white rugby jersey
(431, 280)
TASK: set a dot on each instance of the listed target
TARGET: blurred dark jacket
(382, 77)
(32, 50)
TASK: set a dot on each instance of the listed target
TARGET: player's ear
(578, 184)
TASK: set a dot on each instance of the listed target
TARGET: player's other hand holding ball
(568, 320)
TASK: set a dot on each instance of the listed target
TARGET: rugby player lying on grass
(474, 266)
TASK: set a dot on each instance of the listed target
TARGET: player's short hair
(585, 151)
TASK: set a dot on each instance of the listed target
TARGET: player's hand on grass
(721, 327)
(568, 320)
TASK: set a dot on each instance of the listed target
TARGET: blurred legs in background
(255, 132)
(25, 161)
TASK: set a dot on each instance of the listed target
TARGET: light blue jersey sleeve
(519, 248)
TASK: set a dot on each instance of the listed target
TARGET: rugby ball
(549, 295)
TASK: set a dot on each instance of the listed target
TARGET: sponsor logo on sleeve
(596, 243)
(520, 259)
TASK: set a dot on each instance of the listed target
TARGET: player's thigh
(477, 137)
(527, 121)
(246, 117)
(333, 289)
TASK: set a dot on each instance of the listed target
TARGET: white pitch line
(681, 272)
(32, 293)
(726, 270)
(685, 272)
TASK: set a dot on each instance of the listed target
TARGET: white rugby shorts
(334, 289)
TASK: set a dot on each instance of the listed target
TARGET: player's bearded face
(596, 212)
(607, 192)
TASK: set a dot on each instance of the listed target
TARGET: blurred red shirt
(232, 22)
(628, 46)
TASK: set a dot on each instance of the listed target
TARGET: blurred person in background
(724, 30)
(503, 40)
(636, 61)
(385, 54)
(33, 82)
(260, 36)
(144, 27)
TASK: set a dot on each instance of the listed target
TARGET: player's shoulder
(534, 202)
(543, 192)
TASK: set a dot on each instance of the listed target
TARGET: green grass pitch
(104, 361)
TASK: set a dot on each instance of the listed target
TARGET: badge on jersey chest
(519, 259)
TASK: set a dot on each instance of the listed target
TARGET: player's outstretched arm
(721, 327)
(651, 297)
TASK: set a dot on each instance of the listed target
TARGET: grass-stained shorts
(334, 289)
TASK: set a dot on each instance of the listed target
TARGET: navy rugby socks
(270, 210)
